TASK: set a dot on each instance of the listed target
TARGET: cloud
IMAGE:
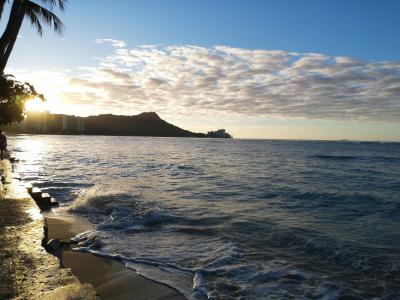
(112, 42)
(221, 80)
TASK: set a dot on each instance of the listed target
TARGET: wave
(197, 231)
(98, 200)
(334, 157)
(351, 157)
(386, 158)
(117, 210)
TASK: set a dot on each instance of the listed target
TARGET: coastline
(106, 275)
(30, 272)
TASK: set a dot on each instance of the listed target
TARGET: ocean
(231, 218)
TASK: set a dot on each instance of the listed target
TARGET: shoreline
(32, 272)
(28, 271)
(105, 274)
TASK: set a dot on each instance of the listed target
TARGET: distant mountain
(144, 124)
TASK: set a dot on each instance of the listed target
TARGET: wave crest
(96, 200)
(117, 210)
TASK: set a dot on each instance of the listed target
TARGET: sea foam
(117, 210)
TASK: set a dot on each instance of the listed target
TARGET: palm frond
(61, 4)
(38, 14)
(35, 22)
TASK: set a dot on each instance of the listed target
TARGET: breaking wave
(117, 210)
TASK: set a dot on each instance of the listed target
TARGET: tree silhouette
(37, 15)
(13, 95)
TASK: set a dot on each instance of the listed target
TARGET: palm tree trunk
(10, 46)
(4, 40)
(10, 34)
(2, 3)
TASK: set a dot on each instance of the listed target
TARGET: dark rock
(54, 245)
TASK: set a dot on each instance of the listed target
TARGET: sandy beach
(29, 272)
(110, 278)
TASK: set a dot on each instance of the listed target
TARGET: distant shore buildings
(221, 133)
(44, 122)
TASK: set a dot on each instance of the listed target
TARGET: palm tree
(37, 15)
(2, 3)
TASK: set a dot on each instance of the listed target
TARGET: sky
(285, 69)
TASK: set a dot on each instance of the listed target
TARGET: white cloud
(189, 79)
(113, 42)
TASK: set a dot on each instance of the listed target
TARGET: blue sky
(366, 31)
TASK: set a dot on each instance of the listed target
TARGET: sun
(53, 105)
(36, 105)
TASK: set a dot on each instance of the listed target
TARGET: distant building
(220, 133)
(44, 122)
(65, 122)
(55, 123)
(37, 121)
(80, 124)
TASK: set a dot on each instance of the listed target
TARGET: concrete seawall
(27, 270)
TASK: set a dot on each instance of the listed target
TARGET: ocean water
(233, 219)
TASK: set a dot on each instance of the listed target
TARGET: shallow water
(229, 219)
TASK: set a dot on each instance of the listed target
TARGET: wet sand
(110, 278)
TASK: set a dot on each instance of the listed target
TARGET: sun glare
(35, 105)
